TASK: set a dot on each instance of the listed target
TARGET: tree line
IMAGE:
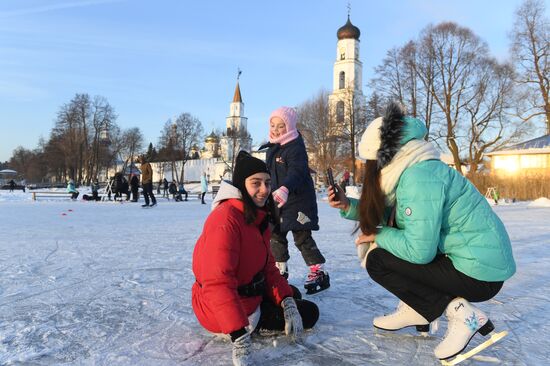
(471, 102)
(86, 142)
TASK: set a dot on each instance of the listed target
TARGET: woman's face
(258, 187)
(277, 127)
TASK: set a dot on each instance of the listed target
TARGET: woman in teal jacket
(427, 235)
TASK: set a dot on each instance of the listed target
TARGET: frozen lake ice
(105, 283)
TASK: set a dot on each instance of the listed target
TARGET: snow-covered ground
(102, 283)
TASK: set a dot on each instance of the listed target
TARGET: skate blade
(315, 289)
(464, 356)
(402, 333)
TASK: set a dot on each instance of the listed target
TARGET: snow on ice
(103, 283)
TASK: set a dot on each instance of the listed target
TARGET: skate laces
(315, 271)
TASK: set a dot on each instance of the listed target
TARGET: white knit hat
(370, 141)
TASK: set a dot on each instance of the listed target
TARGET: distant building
(529, 157)
(347, 75)
(216, 157)
(211, 147)
(236, 136)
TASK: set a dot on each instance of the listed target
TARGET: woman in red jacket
(238, 288)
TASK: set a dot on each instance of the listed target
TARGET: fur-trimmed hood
(385, 135)
(226, 191)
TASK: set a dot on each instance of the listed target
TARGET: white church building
(217, 155)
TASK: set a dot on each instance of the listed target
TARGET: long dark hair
(372, 202)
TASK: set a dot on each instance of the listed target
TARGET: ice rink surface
(86, 283)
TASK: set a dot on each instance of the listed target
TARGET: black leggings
(427, 288)
(272, 316)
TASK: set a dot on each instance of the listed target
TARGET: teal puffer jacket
(440, 211)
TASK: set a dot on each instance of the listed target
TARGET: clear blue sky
(155, 59)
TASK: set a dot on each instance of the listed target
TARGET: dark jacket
(172, 188)
(134, 182)
(289, 167)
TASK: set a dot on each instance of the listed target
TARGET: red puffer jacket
(227, 255)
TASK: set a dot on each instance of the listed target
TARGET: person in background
(147, 182)
(125, 187)
(12, 185)
(496, 195)
(294, 192)
(134, 185)
(173, 189)
(95, 190)
(165, 188)
(427, 235)
(182, 192)
(237, 287)
(72, 189)
(345, 180)
(204, 187)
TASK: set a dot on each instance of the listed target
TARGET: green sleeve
(352, 212)
(419, 207)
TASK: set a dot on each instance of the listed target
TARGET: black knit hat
(245, 166)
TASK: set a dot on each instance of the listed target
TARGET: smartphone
(330, 179)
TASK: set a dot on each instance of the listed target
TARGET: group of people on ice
(425, 234)
(120, 186)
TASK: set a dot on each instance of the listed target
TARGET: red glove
(280, 196)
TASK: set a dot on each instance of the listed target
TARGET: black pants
(304, 242)
(135, 193)
(272, 316)
(148, 191)
(202, 197)
(427, 288)
(74, 195)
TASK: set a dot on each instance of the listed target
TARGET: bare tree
(351, 125)
(78, 133)
(71, 133)
(178, 138)
(21, 160)
(455, 53)
(101, 123)
(531, 51)
(314, 123)
(237, 139)
(398, 78)
(487, 113)
(375, 106)
(448, 79)
(132, 144)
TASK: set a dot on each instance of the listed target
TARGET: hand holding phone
(336, 197)
(330, 179)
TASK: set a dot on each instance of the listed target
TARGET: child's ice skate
(317, 279)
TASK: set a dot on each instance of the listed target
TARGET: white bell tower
(236, 119)
(347, 73)
(236, 136)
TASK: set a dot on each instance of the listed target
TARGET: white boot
(403, 316)
(283, 268)
(465, 320)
